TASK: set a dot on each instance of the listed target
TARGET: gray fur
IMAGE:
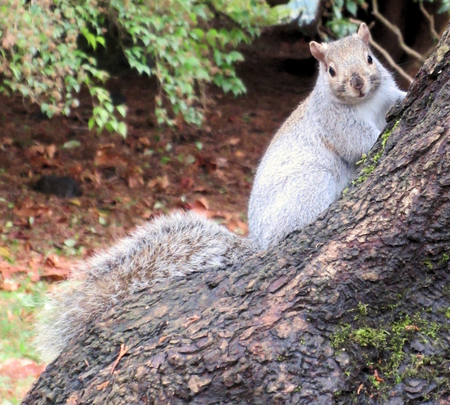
(168, 246)
(313, 155)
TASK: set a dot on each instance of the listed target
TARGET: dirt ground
(153, 171)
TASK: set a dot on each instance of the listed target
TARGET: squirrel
(308, 163)
(313, 156)
(166, 247)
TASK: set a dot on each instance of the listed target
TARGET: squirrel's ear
(318, 51)
(364, 34)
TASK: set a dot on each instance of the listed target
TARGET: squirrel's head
(352, 73)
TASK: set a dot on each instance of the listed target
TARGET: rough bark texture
(354, 309)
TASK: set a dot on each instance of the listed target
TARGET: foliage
(184, 43)
(444, 4)
(341, 10)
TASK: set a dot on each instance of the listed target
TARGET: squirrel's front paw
(396, 108)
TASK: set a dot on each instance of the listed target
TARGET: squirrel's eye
(332, 71)
(369, 59)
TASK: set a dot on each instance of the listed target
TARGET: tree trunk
(353, 309)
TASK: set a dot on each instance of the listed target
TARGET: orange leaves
(134, 177)
(28, 208)
(5, 142)
(201, 207)
(55, 268)
(186, 183)
(9, 40)
(8, 281)
(107, 157)
(231, 220)
(38, 267)
(20, 368)
(159, 184)
(42, 155)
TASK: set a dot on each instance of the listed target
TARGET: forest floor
(125, 182)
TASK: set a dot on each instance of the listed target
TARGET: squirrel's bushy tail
(168, 246)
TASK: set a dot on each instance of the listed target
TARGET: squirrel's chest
(373, 112)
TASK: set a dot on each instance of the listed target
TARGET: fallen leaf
(72, 144)
(43, 161)
(199, 189)
(107, 158)
(55, 268)
(8, 271)
(5, 142)
(4, 252)
(95, 177)
(70, 242)
(144, 141)
(238, 226)
(28, 208)
(221, 162)
(207, 162)
(200, 204)
(134, 178)
(50, 151)
(28, 247)
(186, 183)
(35, 262)
(21, 368)
(160, 183)
(10, 285)
(9, 40)
(232, 141)
(36, 150)
(377, 377)
(412, 327)
(19, 234)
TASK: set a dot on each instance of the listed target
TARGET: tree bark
(353, 309)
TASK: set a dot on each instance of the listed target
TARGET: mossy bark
(318, 319)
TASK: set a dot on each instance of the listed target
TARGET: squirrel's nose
(356, 82)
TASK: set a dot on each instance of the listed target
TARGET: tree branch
(430, 18)
(396, 31)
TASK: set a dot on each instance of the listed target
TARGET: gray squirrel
(166, 247)
(313, 155)
(308, 163)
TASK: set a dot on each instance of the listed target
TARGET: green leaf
(352, 7)
(70, 242)
(72, 144)
(101, 41)
(122, 110)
